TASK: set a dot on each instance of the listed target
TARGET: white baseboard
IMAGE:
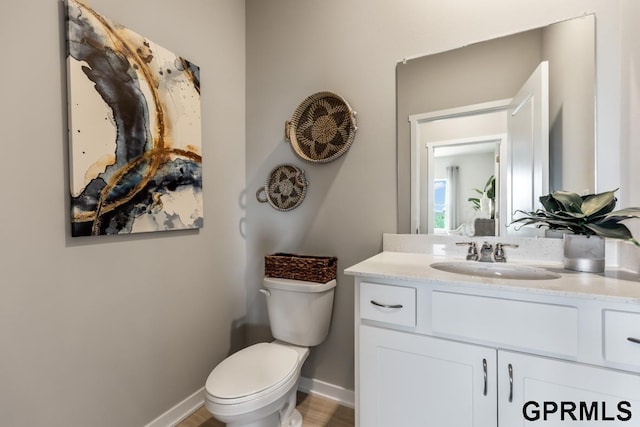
(342, 395)
(181, 411)
(307, 385)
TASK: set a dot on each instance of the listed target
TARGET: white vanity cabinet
(569, 392)
(430, 353)
(418, 380)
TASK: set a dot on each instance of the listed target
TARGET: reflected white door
(528, 148)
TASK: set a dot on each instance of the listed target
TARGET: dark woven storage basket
(320, 269)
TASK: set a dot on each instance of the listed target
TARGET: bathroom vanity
(438, 348)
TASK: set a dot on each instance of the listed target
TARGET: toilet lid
(252, 370)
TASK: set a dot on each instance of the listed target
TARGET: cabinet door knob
(634, 340)
(377, 304)
(484, 369)
(510, 382)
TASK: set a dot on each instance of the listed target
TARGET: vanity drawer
(541, 327)
(387, 303)
(619, 326)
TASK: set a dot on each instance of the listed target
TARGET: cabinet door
(549, 392)
(413, 380)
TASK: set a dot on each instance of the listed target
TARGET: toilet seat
(252, 373)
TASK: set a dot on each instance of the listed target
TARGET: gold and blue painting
(135, 130)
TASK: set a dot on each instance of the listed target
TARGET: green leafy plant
(489, 189)
(590, 215)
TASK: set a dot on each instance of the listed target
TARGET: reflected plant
(489, 190)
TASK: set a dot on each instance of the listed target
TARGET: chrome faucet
(486, 252)
(498, 255)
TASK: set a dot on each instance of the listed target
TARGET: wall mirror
(519, 109)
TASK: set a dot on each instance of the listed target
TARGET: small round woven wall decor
(322, 127)
(284, 188)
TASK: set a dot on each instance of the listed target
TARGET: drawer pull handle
(634, 340)
(377, 304)
(510, 382)
(484, 369)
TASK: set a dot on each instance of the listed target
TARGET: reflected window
(440, 204)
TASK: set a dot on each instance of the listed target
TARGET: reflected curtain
(452, 198)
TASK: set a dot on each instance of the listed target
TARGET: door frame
(416, 120)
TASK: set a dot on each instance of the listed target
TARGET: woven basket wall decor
(322, 127)
(284, 188)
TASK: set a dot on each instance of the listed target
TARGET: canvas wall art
(134, 130)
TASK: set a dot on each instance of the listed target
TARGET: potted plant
(586, 221)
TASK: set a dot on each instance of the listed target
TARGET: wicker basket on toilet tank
(320, 269)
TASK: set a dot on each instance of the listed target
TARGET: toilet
(256, 387)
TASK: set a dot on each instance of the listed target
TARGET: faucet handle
(472, 253)
(498, 255)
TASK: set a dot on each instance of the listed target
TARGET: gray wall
(109, 331)
(297, 48)
(114, 331)
(569, 48)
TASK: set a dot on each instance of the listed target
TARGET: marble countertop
(616, 285)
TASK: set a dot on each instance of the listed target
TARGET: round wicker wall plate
(284, 188)
(322, 127)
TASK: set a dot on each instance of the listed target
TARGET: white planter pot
(583, 253)
(554, 234)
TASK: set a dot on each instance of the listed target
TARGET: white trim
(342, 395)
(465, 110)
(307, 385)
(180, 411)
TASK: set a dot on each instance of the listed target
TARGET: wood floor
(316, 412)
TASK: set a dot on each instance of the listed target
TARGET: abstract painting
(134, 130)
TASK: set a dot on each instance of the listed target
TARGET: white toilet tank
(299, 311)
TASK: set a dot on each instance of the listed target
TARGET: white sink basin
(495, 270)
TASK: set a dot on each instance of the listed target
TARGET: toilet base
(295, 420)
(280, 413)
(272, 420)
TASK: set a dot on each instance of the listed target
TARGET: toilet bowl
(256, 387)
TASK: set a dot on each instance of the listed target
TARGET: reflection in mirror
(485, 74)
(459, 205)
(462, 152)
(467, 173)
